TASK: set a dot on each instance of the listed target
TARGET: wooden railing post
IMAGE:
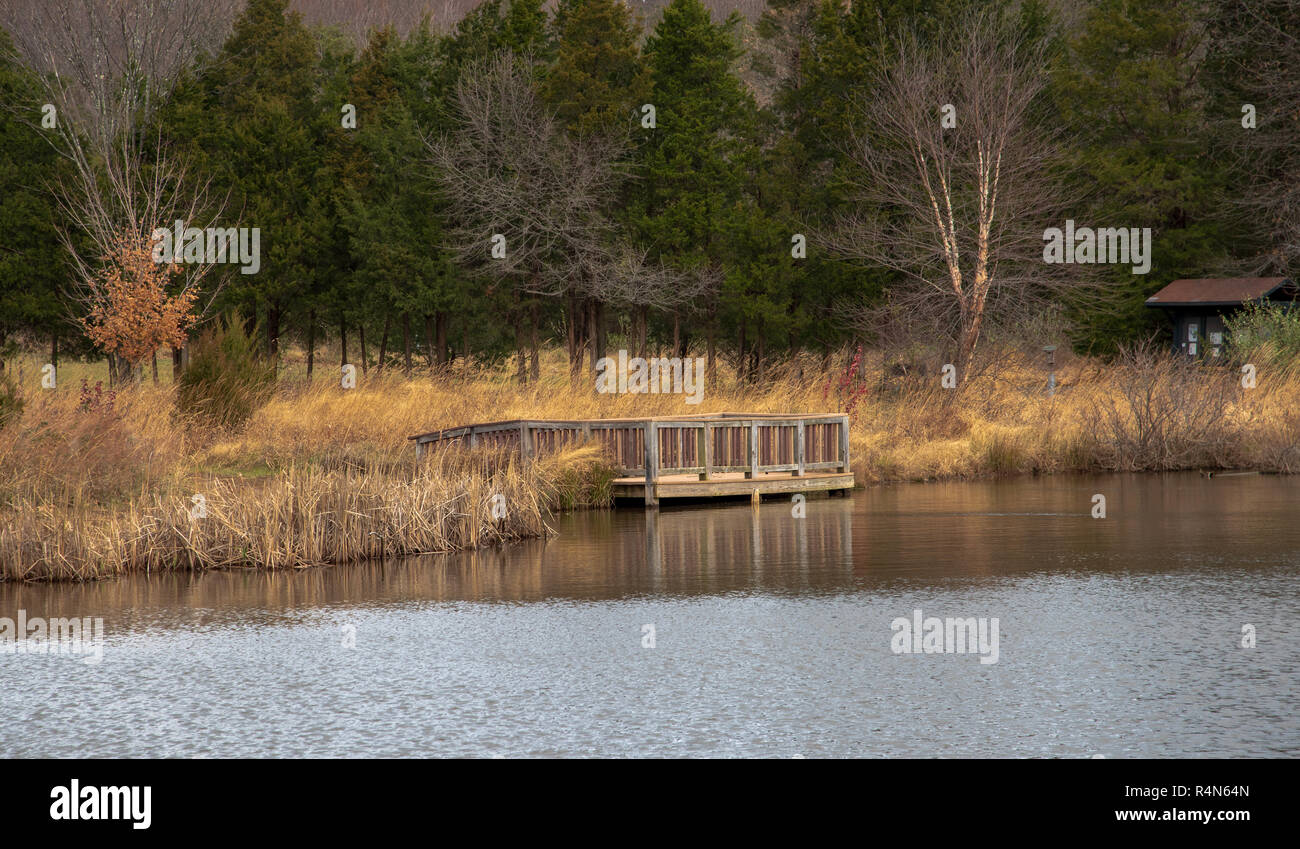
(705, 450)
(651, 463)
(525, 441)
(753, 451)
(844, 443)
(798, 450)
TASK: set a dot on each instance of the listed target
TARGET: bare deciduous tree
(106, 67)
(955, 182)
(515, 182)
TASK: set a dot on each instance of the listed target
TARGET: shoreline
(325, 475)
(485, 536)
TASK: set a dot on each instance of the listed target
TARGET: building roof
(1217, 291)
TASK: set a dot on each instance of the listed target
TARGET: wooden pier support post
(651, 463)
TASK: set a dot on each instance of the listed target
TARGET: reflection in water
(1119, 636)
(602, 555)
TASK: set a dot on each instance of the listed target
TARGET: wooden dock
(697, 456)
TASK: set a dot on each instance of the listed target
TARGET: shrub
(1166, 413)
(94, 400)
(227, 378)
(1266, 333)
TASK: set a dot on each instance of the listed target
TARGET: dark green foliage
(598, 82)
(696, 162)
(1130, 93)
(1146, 94)
(32, 265)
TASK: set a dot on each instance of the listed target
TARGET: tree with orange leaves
(132, 314)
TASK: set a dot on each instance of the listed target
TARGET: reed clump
(302, 517)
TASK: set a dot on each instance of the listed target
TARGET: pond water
(719, 630)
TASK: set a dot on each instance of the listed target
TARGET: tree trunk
(273, 331)
(969, 340)
(406, 343)
(343, 341)
(593, 336)
(383, 342)
(311, 341)
(365, 357)
(178, 363)
(535, 365)
(120, 372)
(521, 370)
(577, 337)
(741, 354)
(428, 337)
(570, 331)
(155, 366)
(602, 338)
(54, 350)
(642, 329)
(580, 339)
(440, 338)
(712, 351)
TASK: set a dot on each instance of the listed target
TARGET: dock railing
(705, 445)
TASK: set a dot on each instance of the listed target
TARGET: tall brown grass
(320, 474)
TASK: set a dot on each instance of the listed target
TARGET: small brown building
(1197, 307)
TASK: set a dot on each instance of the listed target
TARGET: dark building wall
(1200, 332)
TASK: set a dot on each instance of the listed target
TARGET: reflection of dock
(726, 548)
(701, 456)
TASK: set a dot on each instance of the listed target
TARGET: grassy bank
(320, 474)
